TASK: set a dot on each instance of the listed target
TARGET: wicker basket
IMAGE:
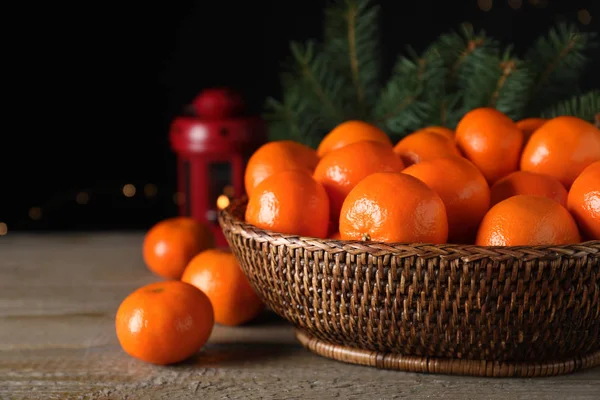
(454, 309)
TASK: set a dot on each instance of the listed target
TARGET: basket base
(446, 366)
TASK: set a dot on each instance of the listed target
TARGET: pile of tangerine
(167, 322)
(492, 182)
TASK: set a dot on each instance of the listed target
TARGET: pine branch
(585, 106)
(460, 51)
(557, 60)
(411, 93)
(352, 40)
(498, 82)
(293, 119)
(318, 81)
(445, 111)
(457, 47)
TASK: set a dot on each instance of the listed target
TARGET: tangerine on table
(165, 322)
(340, 170)
(525, 182)
(277, 156)
(491, 140)
(463, 189)
(217, 273)
(349, 132)
(425, 145)
(170, 244)
(290, 202)
(526, 220)
(393, 207)
(563, 147)
(530, 125)
(584, 201)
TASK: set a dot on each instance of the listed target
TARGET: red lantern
(213, 145)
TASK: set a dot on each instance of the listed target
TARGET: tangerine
(463, 189)
(340, 170)
(393, 207)
(349, 132)
(530, 125)
(442, 130)
(563, 147)
(290, 202)
(526, 220)
(425, 145)
(525, 182)
(491, 140)
(584, 201)
(165, 322)
(277, 156)
(170, 245)
(217, 273)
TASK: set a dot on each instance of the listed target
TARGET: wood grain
(58, 297)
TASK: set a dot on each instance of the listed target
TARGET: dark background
(90, 89)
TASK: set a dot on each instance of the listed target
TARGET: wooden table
(58, 298)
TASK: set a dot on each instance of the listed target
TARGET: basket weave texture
(459, 303)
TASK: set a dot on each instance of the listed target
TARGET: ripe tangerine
(165, 322)
(278, 156)
(170, 245)
(491, 140)
(217, 273)
(526, 220)
(463, 189)
(349, 132)
(393, 207)
(530, 125)
(525, 182)
(563, 147)
(290, 202)
(584, 201)
(425, 145)
(340, 170)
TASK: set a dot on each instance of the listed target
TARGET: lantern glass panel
(219, 178)
(187, 187)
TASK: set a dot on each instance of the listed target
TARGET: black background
(91, 88)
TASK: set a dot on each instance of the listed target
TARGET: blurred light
(584, 17)
(3, 229)
(35, 213)
(229, 191)
(484, 5)
(515, 4)
(82, 198)
(178, 198)
(542, 3)
(129, 190)
(222, 202)
(150, 190)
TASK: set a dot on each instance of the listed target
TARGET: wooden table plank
(58, 298)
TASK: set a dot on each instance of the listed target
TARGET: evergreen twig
(406, 100)
(320, 80)
(557, 60)
(498, 82)
(461, 70)
(585, 106)
(460, 51)
(352, 39)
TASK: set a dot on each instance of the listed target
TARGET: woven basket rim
(228, 219)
